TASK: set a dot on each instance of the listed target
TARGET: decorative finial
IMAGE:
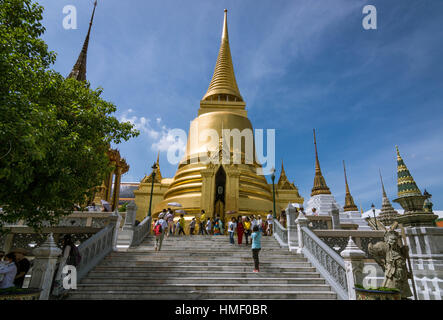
(320, 186)
(382, 184)
(349, 201)
(223, 83)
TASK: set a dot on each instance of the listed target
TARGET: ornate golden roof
(320, 186)
(223, 85)
(158, 176)
(79, 70)
(349, 201)
(283, 181)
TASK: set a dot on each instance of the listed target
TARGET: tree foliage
(54, 132)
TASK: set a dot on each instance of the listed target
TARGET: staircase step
(219, 274)
(185, 288)
(124, 280)
(172, 268)
(225, 295)
(202, 267)
(121, 262)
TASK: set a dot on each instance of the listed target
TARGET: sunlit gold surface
(194, 184)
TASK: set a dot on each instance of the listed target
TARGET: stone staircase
(202, 267)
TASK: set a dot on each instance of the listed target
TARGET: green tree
(54, 132)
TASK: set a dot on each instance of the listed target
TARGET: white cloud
(141, 123)
(161, 137)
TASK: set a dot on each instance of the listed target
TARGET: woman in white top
(208, 226)
(231, 229)
(270, 220)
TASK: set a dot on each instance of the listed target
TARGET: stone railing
(80, 225)
(319, 222)
(141, 231)
(131, 235)
(28, 238)
(338, 239)
(95, 249)
(94, 219)
(330, 265)
(280, 233)
(92, 251)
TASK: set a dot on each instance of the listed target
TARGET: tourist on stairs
(240, 229)
(217, 229)
(202, 229)
(231, 229)
(256, 246)
(208, 226)
(247, 225)
(270, 221)
(169, 217)
(159, 230)
(192, 226)
(181, 225)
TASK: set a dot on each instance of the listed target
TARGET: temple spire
(405, 181)
(79, 70)
(320, 186)
(223, 85)
(382, 185)
(349, 201)
(388, 214)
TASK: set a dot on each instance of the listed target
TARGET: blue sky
(299, 64)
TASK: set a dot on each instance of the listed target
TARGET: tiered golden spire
(349, 201)
(223, 85)
(320, 186)
(79, 70)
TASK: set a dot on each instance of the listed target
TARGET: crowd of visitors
(250, 228)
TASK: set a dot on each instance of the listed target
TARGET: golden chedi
(208, 177)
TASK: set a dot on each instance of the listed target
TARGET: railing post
(44, 266)
(291, 215)
(118, 218)
(353, 257)
(301, 222)
(335, 214)
(126, 235)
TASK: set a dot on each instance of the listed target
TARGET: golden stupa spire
(158, 158)
(223, 85)
(320, 186)
(79, 70)
(349, 201)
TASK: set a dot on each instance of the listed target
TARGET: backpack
(158, 229)
(74, 258)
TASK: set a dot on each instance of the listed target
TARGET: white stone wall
(426, 253)
(323, 203)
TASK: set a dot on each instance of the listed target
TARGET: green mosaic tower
(411, 199)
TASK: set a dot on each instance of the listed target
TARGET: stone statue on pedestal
(391, 255)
